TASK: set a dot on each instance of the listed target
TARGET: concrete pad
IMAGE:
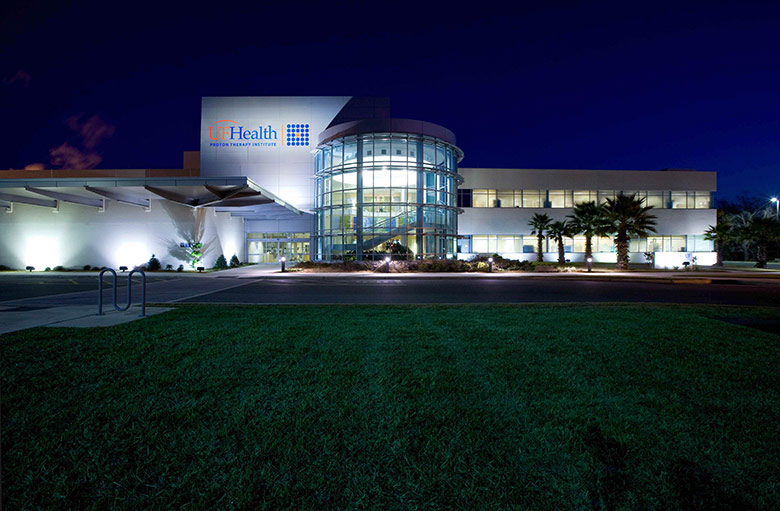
(13, 318)
(109, 318)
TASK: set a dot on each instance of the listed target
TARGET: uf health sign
(230, 133)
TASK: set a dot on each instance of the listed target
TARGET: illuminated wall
(122, 235)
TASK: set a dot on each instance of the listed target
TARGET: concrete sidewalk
(79, 316)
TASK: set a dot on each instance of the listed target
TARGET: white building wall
(286, 171)
(122, 235)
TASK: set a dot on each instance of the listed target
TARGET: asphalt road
(17, 287)
(35, 290)
(488, 290)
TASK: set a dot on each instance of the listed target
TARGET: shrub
(180, 268)
(221, 263)
(47, 269)
(59, 268)
(5, 268)
(87, 267)
(234, 262)
(153, 264)
(168, 267)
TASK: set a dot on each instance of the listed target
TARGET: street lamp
(589, 260)
(387, 264)
(490, 265)
(777, 207)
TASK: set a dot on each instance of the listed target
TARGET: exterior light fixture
(589, 260)
(777, 207)
(490, 265)
(387, 264)
(282, 260)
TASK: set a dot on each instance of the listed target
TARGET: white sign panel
(271, 140)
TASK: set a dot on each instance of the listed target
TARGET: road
(489, 290)
(48, 291)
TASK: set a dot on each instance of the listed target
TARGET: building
(326, 178)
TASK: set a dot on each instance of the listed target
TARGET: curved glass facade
(383, 193)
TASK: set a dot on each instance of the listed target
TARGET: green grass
(396, 407)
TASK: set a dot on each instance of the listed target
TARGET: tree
(720, 234)
(221, 263)
(234, 262)
(539, 223)
(557, 231)
(589, 219)
(627, 216)
(762, 231)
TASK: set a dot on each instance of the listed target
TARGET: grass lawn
(395, 407)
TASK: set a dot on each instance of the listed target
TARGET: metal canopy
(67, 197)
(195, 192)
(120, 197)
(32, 201)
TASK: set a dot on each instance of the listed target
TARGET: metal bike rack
(129, 291)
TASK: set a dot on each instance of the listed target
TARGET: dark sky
(557, 85)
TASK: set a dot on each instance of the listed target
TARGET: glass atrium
(386, 193)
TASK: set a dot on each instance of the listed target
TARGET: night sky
(557, 85)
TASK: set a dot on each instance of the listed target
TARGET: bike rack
(129, 291)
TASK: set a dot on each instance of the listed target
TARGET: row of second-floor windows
(508, 244)
(492, 198)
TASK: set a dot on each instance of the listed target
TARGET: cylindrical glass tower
(386, 186)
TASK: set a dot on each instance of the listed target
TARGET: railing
(129, 291)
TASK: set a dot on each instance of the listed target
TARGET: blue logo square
(297, 134)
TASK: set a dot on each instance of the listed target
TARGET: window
(679, 200)
(532, 199)
(505, 198)
(656, 200)
(561, 198)
(581, 196)
(702, 200)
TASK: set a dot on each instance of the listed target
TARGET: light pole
(490, 265)
(282, 260)
(777, 207)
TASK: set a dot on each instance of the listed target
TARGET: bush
(168, 267)
(234, 262)
(221, 263)
(87, 267)
(60, 268)
(346, 266)
(47, 269)
(180, 268)
(5, 268)
(153, 264)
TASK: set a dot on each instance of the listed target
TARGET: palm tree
(589, 219)
(540, 223)
(762, 230)
(628, 216)
(557, 231)
(720, 234)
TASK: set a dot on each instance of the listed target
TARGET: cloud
(68, 157)
(92, 131)
(21, 77)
